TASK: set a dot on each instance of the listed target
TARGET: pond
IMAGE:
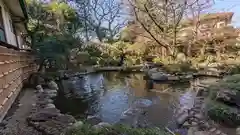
(116, 97)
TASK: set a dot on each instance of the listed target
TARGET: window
(2, 31)
(220, 24)
(13, 30)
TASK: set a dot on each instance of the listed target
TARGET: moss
(223, 114)
(219, 111)
(87, 129)
(230, 83)
(179, 68)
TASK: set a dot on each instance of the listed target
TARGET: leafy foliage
(219, 111)
(223, 114)
(52, 28)
(115, 130)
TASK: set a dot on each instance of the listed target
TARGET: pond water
(115, 97)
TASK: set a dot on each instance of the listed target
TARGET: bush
(223, 114)
(221, 111)
(115, 130)
(179, 67)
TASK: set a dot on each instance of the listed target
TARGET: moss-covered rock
(225, 100)
(224, 114)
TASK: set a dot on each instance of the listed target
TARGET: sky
(228, 6)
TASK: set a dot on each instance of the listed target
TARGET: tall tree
(102, 18)
(53, 28)
(161, 20)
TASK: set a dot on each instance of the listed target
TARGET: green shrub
(115, 130)
(223, 114)
(179, 67)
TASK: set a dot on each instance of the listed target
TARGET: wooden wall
(15, 67)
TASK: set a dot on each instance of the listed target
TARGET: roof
(223, 15)
(211, 16)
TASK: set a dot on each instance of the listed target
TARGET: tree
(53, 28)
(102, 18)
(161, 20)
(193, 14)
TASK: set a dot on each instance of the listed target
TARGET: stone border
(194, 120)
(45, 117)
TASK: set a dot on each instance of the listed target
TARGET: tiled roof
(223, 15)
(211, 16)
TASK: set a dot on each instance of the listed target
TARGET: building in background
(16, 63)
(13, 19)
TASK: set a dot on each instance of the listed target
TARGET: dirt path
(15, 121)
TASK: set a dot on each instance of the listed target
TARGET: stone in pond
(39, 88)
(131, 111)
(93, 120)
(53, 85)
(152, 70)
(50, 106)
(101, 125)
(181, 119)
(238, 131)
(142, 103)
(159, 76)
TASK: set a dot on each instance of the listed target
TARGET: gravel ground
(15, 121)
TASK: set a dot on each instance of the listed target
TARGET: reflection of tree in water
(137, 84)
(113, 80)
(73, 105)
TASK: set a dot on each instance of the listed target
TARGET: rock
(53, 85)
(173, 78)
(48, 91)
(77, 124)
(50, 106)
(227, 96)
(190, 76)
(212, 130)
(218, 132)
(182, 118)
(159, 76)
(186, 124)
(52, 95)
(39, 88)
(238, 131)
(192, 130)
(199, 116)
(214, 65)
(101, 125)
(194, 123)
(131, 111)
(94, 120)
(202, 65)
(201, 133)
(49, 100)
(152, 70)
(142, 103)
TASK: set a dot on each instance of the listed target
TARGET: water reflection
(110, 95)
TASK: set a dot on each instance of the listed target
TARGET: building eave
(24, 8)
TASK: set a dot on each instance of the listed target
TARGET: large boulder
(152, 71)
(229, 97)
(159, 76)
(53, 85)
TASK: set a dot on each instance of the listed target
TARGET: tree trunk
(41, 65)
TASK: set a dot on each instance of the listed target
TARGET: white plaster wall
(11, 39)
